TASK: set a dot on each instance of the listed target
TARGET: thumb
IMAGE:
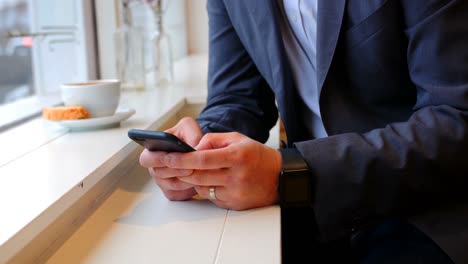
(188, 130)
(216, 141)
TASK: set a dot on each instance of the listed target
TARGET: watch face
(296, 189)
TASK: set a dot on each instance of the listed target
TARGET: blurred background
(46, 42)
(16, 77)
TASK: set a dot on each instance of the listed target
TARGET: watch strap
(292, 159)
(295, 180)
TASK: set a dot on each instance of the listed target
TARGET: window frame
(22, 110)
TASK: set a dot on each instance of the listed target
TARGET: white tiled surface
(251, 236)
(136, 224)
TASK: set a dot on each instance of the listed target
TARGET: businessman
(373, 95)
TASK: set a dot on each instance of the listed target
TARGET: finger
(200, 160)
(179, 195)
(166, 172)
(204, 190)
(151, 159)
(220, 193)
(215, 177)
(173, 184)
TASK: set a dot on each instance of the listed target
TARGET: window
(16, 80)
(43, 43)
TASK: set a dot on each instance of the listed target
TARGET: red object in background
(28, 42)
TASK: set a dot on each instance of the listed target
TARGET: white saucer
(98, 122)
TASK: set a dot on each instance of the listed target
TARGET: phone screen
(159, 141)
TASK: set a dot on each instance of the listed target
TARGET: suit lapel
(269, 48)
(271, 60)
(266, 42)
(330, 17)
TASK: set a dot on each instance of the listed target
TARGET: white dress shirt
(299, 34)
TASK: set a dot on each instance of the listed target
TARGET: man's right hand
(166, 178)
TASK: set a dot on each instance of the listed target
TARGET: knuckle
(242, 154)
(236, 134)
(184, 172)
(236, 156)
(241, 177)
(197, 178)
(172, 160)
(202, 159)
(209, 137)
(230, 153)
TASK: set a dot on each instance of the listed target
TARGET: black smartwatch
(295, 180)
(297, 214)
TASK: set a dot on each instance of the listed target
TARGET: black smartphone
(159, 141)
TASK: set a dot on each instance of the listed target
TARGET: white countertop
(47, 170)
(137, 224)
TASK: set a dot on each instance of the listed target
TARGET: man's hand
(166, 178)
(244, 172)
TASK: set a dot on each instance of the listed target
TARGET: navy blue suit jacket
(394, 100)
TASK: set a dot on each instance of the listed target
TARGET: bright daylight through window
(43, 44)
(16, 76)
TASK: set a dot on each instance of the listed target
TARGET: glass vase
(130, 58)
(161, 48)
(129, 50)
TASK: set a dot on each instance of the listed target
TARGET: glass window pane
(16, 74)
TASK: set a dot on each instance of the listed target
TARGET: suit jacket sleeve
(239, 99)
(411, 167)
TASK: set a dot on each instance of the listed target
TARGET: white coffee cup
(100, 97)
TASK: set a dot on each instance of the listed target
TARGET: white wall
(197, 26)
(106, 23)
